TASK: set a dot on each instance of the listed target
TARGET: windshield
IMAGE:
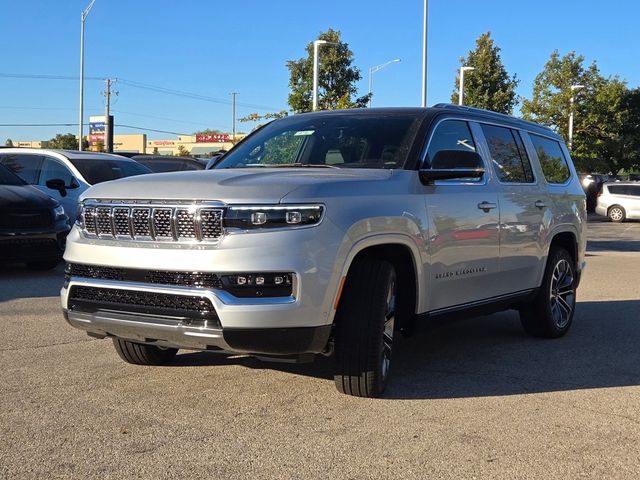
(343, 141)
(96, 170)
(9, 178)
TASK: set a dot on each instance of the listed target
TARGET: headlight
(273, 216)
(58, 212)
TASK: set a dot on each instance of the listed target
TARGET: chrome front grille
(198, 223)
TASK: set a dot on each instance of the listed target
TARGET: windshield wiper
(302, 165)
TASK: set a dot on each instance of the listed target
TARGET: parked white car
(65, 174)
(619, 201)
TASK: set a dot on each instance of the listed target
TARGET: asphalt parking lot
(469, 399)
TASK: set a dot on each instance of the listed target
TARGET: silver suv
(329, 233)
(619, 201)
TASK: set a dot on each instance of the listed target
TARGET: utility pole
(107, 95)
(233, 116)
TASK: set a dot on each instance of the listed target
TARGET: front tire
(550, 314)
(616, 214)
(142, 354)
(365, 324)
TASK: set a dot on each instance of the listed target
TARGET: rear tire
(141, 354)
(365, 324)
(616, 213)
(551, 312)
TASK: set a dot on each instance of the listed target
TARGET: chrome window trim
(564, 157)
(526, 152)
(474, 135)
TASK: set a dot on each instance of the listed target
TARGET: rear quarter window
(552, 160)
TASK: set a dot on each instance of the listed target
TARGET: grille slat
(121, 221)
(103, 221)
(185, 223)
(162, 223)
(89, 219)
(158, 277)
(188, 308)
(151, 222)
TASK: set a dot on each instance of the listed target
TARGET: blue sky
(212, 48)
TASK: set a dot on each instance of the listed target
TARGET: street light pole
(233, 116)
(424, 54)
(316, 68)
(461, 86)
(573, 90)
(83, 16)
(375, 69)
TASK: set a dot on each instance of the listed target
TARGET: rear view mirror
(453, 164)
(453, 159)
(57, 184)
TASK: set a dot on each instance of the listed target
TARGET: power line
(46, 77)
(155, 117)
(76, 124)
(143, 86)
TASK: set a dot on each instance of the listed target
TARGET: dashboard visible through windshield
(340, 141)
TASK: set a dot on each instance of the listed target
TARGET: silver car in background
(65, 174)
(619, 201)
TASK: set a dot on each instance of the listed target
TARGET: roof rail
(488, 113)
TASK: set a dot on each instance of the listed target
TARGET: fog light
(294, 217)
(258, 218)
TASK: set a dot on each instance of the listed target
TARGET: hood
(24, 197)
(247, 185)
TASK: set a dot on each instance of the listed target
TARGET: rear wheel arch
(568, 241)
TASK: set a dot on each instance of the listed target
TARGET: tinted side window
(634, 190)
(510, 161)
(450, 135)
(554, 165)
(25, 166)
(615, 189)
(53, 169)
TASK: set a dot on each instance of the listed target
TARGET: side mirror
(57, 184)
(453, 164)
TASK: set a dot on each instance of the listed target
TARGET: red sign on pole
(212, 137)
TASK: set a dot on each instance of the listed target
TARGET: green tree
(337, 77)
(604, 138)
(182, 151)
(8, 143)
(489, 85)
(550, 102)
(207, 131)
(66, 141)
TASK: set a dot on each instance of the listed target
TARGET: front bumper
(29, 247)
(177, 334)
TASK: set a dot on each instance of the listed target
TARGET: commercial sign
(97, 130)
(161, 143)
(212, 137)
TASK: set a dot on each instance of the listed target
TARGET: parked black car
(33, 226)
(167, 163)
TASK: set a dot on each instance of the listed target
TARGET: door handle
(540, 204)
(486, 206)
